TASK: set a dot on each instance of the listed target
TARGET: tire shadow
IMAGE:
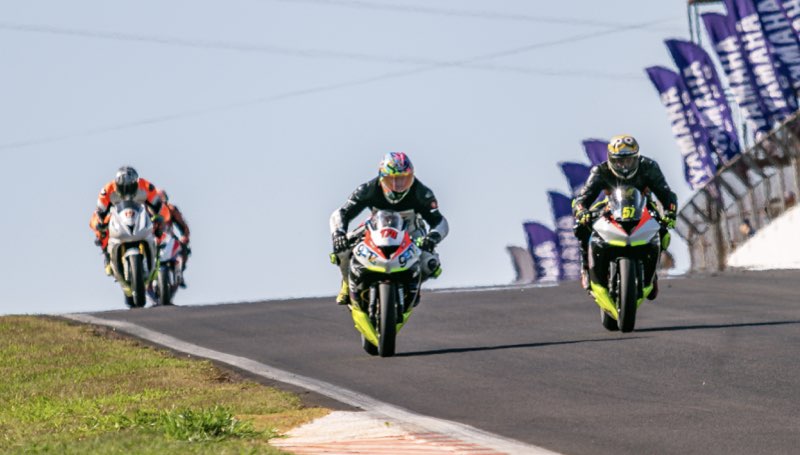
(511, 346)
(676, 328)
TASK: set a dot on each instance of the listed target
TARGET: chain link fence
(746, 195)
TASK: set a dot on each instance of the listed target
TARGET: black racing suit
(420, 201)
(648, 179)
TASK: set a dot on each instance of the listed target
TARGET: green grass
(69, 388)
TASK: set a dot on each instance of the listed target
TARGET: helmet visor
(624, 164)
(397, 183)
(128, 189)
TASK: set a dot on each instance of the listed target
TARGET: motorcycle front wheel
(627, 294)
(164, 287)
(137, 280)
(387, 295)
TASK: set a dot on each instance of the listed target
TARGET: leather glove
(583, 217)
(669, 219)
(429, 242)
(670, 215)
(102, 228)
(340, 243)
(158, 225)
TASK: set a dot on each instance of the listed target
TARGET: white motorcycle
(386, 261)
(132, 250)
(170, 271)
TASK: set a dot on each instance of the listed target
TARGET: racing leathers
(418, 205)
(179, 221)
(146, 193)
(648, 179)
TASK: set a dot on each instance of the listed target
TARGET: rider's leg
(598, 265)
(344, 267)
(651, 262)
(582, 233)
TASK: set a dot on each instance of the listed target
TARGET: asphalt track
(713, 367)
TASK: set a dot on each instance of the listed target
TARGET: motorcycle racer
(127, 185)
(624, 165)
(395, 188)
(177, 219)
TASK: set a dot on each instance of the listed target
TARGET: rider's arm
(154, 199)
(357, 202)
(658, 185)
(177, 218)
(429, 210)
(104, 201)
(588, 194)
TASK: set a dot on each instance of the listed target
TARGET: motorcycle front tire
(164, 287)
(387, 296)
(627, 294)
(137, 280)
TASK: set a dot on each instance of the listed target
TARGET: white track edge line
(346, 396)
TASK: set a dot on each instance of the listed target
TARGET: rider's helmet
(163, 195)
(623, 156)
(127, 180)
(396, 175)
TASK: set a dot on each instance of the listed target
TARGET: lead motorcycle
(387, 261)
(626, 246)
(132, 250)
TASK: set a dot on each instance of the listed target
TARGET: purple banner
(781, 36)
(543, 246)
(522, 261)
(568, 244)
(741, 80)
(771, 77)
(792, 10)
(576, 174)
(705, 90)
(596, 150)
(698, 166)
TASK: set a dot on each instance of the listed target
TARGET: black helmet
(127, 181)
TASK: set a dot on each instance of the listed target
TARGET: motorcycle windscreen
(383, 219)
(626, 204)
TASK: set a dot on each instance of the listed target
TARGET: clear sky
(259, 117)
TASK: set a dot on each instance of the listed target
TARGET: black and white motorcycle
(170, 270)
(132, 250)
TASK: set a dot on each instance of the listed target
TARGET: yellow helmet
(623, 156)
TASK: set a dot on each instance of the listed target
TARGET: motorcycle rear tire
(387, 295)
(369, 348)
(137, 280)
(608, 322)
(627, 294)
(164, 287)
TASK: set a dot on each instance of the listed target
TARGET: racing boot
(106, 263)
(654, 293)
(584, 270)
(344, 294)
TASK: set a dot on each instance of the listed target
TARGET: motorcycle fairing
(365, 327)
(131, 232)
(386, 231)
(603, 299)
(615, 235)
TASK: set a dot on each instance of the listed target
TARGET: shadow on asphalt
(715, 326)
(509, 346)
